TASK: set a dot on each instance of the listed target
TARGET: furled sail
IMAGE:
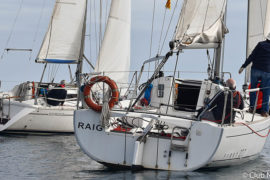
(258, 26)
(201, 22)
(64, 39)
(114, 55)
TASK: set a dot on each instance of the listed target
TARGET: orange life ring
(110, 83)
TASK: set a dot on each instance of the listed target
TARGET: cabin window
(160, 93)
(186, 97)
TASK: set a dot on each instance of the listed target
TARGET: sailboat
(171, 133)
(25, 108)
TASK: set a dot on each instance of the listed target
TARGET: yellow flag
(168, 4)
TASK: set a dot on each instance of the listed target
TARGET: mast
(81, 56)
(247, 71)
(223, 44)
(218, 51)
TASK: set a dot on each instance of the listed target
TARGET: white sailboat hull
(210, 145)
(120, 149)
(25, 117)
(239, 144)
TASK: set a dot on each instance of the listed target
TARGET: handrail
(252, 90)
(225, 105)
(135, 88)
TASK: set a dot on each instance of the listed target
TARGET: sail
(63, 41)
(201, 22)
(258, 26)
(114, 54)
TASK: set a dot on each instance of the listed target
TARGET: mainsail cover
(201, 22)
(65, 35)
(114, 55)
(258, 26)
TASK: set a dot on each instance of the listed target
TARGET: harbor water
(53, 157)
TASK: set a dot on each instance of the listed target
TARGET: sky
(24, 23)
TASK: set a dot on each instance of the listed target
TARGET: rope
(12, 28)
(105, 112)
(263, 136)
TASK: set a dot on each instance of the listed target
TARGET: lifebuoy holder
(87, 92)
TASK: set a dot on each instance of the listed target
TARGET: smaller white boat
(26, 107)
(22, 112)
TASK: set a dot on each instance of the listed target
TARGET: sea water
(56, 157)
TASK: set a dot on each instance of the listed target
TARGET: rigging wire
(96, 36)
(151, 39)
(12, 27)
(169, 26)
(100, 23)
(262, 15)
(164, 17)
(90, 32)
(38, 25)
(56, 70)
(153, 20)
(49, 43)
(173, 81)
(48, 74)
(106, 15)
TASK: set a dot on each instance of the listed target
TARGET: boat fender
(33, 90)
(260, 97)
(87, 89)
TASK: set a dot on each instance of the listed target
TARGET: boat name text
(89, 126)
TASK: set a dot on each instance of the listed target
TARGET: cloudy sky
(24, 23)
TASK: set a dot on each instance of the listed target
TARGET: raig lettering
(89, 126)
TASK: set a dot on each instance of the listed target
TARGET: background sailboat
(64, 44)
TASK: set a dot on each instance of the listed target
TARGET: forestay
(201, 22)
(114, 55)
(258, 26)
(64, 39)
